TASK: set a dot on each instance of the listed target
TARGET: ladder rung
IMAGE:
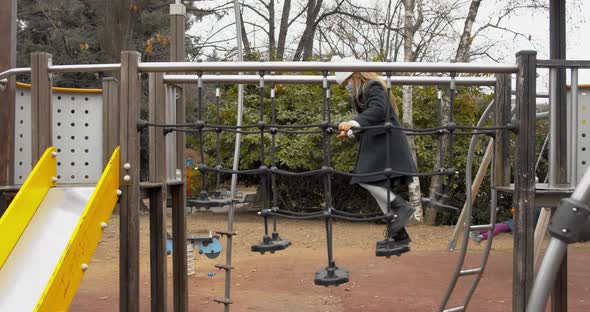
(481, 227)
(469, 272)
(224, 267)
(456, 309)
(223, 300)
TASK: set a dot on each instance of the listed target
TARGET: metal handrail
(329, 66)
(14, 71)
(80, 68)
(308, 79)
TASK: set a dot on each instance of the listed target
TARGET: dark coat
(371, 156)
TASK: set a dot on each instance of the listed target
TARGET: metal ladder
(460, 271)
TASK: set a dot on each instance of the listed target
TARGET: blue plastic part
(169, 246)
(210, 248)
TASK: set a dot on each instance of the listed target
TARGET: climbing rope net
(270, 211)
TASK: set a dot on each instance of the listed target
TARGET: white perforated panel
(171, 166)
(583, 131)
(77, 135)
(22, 136)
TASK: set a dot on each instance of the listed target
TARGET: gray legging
(379, 192)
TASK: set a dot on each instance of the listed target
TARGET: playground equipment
(166, 128)
(122, 102)
(50, 232)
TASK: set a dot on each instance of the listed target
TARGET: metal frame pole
(236, 163)
(177, 189)
(157, 195)
(553, 124)
(574, 127)
(557, 51)
(524, 190)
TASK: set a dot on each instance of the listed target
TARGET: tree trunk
(245, 40)
(410, 28)
(118, 18)
(305, 47)
(465, 41)
(283, 30)
(462, 55)
(271, 30)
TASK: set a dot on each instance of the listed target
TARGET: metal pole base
(331, 276)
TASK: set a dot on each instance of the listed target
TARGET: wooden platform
(544, 195)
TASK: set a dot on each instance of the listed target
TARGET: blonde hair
(360, 80)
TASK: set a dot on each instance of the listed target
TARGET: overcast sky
(534, 23)
(537, 25)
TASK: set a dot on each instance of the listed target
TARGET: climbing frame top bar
(307, 79)
(79, 68)
(280, 67)
(563, 63)
(329, 66)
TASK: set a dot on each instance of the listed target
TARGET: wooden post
(157, 195)
(110, 117)
(524, 189)
(130, 95)
(540, 231)
(7, 96)
(503, 109)
(41, 111)
(177, 191)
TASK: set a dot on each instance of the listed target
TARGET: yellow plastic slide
(48, 235)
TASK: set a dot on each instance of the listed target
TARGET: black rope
(452, 95)
(322, 171)
(273, 161)
(326, 119)
(203, 194)
(217, 136)
(388, 144)
(328, 215)
(204, 127)
(261, 124)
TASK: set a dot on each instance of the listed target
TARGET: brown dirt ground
(284, 281)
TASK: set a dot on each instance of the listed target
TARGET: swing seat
(331, 276)
(439, 203)
(271, 245)
(209, 202)
(388, 252)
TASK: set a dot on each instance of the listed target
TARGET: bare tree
(462, 55)
(283, 28)
(413, 19)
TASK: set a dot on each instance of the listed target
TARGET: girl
(372, 103)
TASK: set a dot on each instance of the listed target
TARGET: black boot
(394, 244)
(403, 212)
(401, 238)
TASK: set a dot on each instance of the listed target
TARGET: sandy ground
(284, 281)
